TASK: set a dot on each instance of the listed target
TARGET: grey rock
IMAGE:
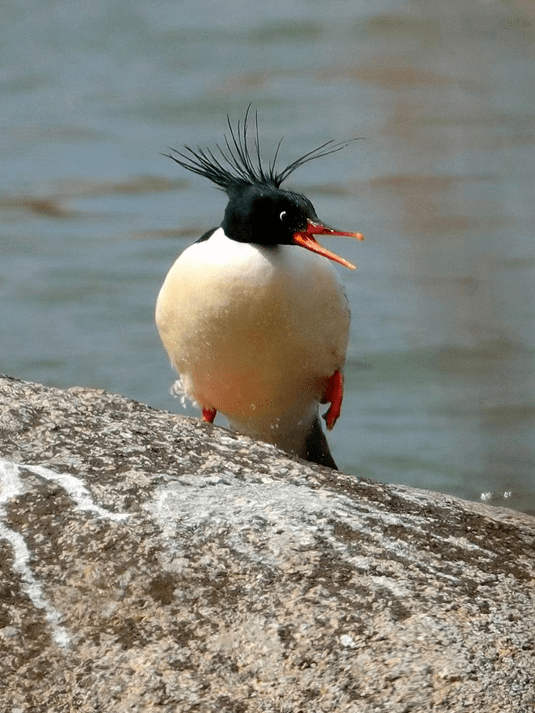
(151, 562)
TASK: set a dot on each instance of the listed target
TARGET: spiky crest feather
(235, 166)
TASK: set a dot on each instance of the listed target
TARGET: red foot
(208, 414)
(333, 394)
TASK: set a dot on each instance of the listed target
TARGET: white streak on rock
(11, 486)
(77, 491)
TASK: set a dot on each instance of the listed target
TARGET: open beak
(305, 238)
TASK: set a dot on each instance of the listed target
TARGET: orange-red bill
(306, 239)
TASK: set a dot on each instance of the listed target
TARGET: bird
(253, 315)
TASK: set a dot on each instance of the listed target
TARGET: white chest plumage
(255, 332)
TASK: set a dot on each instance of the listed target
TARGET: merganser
(255, 325)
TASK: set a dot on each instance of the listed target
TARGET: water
(441, 369)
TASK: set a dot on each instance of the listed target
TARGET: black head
(259, 210)
(267, 215)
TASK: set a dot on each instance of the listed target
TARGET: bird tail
(317, 448)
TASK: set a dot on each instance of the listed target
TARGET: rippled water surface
(441, 369)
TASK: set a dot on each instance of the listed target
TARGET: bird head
(259, 210)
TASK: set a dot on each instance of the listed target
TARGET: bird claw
(333, 394)
(208, 414)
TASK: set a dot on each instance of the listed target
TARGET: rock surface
(150, 562)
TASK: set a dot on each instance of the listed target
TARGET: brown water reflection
(455, 113)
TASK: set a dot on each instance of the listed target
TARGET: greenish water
(441, 371)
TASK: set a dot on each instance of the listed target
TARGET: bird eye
(282, 216)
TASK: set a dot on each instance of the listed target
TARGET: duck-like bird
(253, 315)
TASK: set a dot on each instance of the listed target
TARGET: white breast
(254, 332)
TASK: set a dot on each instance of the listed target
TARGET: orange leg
(333, 394)
(208, 414)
